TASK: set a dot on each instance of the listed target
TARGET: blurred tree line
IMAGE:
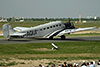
(53, 19)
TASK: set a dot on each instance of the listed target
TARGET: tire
(63, 37)
(51, 38)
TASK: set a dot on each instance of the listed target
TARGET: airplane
(48, 30)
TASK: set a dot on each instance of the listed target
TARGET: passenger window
(59, 24)
(44, 28)
(40, 29)
(56, 25)
(50, 26)
(47, 27)
(53, 25)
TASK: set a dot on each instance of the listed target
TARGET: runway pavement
(44, 40)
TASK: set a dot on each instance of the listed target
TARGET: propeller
(69, 25)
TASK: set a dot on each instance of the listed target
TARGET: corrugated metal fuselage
(45, 30)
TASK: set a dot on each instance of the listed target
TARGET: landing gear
(63, 37)
(9, 38)
(51, 38)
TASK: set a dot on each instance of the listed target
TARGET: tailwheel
(9, 38)
(63, 37)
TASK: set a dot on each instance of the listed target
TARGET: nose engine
(69, 25)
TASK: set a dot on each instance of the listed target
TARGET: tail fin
(7, 30)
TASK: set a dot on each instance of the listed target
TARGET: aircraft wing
(20, 28)
(66, 31)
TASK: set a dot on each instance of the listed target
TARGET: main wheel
(51, 38)
(63, 37)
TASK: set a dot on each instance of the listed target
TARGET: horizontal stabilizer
(20, 28)
(17, 34)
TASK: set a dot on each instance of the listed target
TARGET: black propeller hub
(69, 25)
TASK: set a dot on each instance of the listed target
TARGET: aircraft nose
(69, 25)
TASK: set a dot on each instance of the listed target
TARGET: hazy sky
(49, 8)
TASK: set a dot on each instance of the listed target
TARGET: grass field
(82, 49)
(88, 24)
(35, 23)
(79, 50)
(76, 50)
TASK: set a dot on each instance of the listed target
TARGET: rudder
(7, 30)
